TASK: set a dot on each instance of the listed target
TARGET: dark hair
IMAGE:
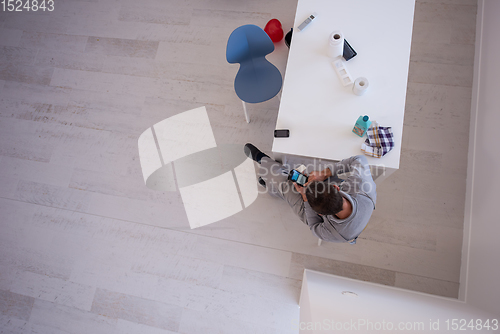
(324, 198)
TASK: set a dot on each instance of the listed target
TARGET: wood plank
(155, 14)
(142, 86)
(183, 268)
(19, 141)
(246, 308)
(128, 327)
(279, 288)
(142, 311)
(12, 325)
(54, 290)
(10, 37)
(26, 74)
(445, 12)
(43, 40)
(441, 74)
(194, 322)
(456, 54)
(35, 171)
(35, 93)
(131, 187)
(29, 247)
(69, 60)
(121, 47)
(17, 55)
(230, 253)
(15, 305)
(431, 106)
(427, 285)
(53, 196)
(345, 269)
(228, 18)
(48, 317)
(172, 216)
(399, 232)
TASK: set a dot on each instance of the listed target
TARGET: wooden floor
(85, 247)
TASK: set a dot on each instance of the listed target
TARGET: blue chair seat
(257, 79)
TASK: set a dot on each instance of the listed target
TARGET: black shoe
(253, 153)
(262, 182)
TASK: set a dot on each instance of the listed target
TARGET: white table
(316, 107)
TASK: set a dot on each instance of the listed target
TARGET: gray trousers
(278, 185)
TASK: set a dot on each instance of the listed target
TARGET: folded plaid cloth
(379, 142)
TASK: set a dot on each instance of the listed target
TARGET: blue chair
(257, 79)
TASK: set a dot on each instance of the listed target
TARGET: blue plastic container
(362, 125)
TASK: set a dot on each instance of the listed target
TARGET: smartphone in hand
(299, 178)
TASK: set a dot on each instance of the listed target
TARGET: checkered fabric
(379, 142)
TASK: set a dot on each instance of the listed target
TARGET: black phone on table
(281, 133)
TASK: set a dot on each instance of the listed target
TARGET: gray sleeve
(357, 164)
(360, 181)
(320, 228)
(312, 218)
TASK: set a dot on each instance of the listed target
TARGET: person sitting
(335, 210)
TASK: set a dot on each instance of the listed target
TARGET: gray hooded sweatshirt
(359, 189)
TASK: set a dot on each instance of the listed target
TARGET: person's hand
(319, 176)
(301, 191)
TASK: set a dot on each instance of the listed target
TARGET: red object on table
(274, 30)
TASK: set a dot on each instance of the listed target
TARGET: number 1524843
(21, 6)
